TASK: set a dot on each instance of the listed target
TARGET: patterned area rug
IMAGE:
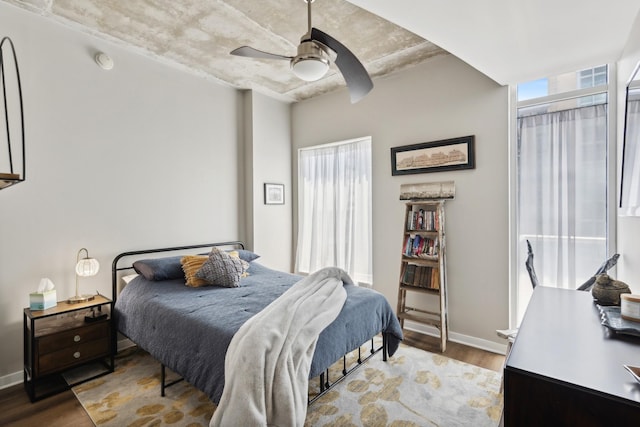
(414, 388)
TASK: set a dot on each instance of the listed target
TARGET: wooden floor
(63, 410)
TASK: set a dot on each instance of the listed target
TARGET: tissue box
(42, 300)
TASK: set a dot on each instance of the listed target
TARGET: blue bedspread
(189, 329)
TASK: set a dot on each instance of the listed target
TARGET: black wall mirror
(630, 179)
(12, 154)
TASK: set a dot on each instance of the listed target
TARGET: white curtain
(562, 196)
(630, 195)
(334, 209)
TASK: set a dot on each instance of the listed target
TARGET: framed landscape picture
(436, 156)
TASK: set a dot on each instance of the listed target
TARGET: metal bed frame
(324, 379)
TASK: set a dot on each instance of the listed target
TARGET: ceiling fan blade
(250, 52)
(358, 81)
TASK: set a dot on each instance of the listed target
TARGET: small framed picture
(273, 194)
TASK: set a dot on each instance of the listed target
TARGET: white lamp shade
(87, 267)
(310, 69)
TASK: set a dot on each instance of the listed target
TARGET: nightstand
(67, 345)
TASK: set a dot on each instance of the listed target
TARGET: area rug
(413, 388)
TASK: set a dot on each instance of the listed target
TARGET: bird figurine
(607, 291)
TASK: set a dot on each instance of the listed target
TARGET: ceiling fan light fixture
(310, 69)
(316, 51)
(311, 63)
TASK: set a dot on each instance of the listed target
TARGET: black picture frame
(418, 158)
(273, 194)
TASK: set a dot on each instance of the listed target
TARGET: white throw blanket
(268, 360)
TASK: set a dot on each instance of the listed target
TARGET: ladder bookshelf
(422, 267)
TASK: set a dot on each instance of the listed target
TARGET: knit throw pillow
(245, 264)
(191, 264)
(221, 269)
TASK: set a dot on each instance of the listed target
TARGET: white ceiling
(514, 41)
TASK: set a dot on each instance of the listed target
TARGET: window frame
(612, 172)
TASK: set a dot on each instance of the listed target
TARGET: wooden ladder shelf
(422, 288)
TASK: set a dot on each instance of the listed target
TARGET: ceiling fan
(315, 53)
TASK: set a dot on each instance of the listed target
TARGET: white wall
(268, 156)
(628, 227)
(441, 99)
(140, 156)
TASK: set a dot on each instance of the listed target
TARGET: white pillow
(126, 279)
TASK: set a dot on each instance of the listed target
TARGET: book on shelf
(409, 274)
(422, 220)
(421, 276)
(425, 280)
(435, 279)
(420, 247)
(417, 240)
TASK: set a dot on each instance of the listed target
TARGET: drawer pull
(76, 355)
(76, 338)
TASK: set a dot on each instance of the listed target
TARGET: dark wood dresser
(565, 368)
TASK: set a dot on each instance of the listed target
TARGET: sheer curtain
(334, 209)
(562, 196)
(630, 195)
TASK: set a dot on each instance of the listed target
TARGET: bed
(188, 329)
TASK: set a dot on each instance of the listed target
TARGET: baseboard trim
(18, 378)
(11, 380)
(480, 343)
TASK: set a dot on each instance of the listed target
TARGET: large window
(334, 208)
(561, 173)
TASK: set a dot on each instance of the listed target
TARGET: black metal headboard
(115, 268)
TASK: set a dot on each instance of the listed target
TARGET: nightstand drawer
(61, 359)
(71, 338)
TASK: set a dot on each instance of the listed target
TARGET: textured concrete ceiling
(199, 35)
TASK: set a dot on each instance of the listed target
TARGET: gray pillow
(246, 255)
(166, 268)
(221, 269)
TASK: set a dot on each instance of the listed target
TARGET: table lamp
(85, 267)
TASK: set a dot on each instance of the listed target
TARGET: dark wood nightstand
(67, 345)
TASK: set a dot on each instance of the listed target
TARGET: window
(334, 208)
(593, 77)
(561, 175)
(590, 78)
